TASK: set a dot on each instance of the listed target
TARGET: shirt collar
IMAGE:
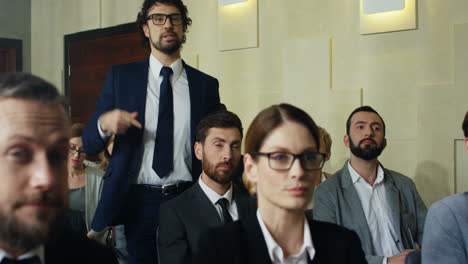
(212, 195)
(156, 66)
(274, 250)
(39, 251)
(355, 177)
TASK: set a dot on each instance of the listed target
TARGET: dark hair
(271, 118)
(27, 86)
(143, 14)
(77, 130)
(465, 125)
(219, 119)
(365, 108)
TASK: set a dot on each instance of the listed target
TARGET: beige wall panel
(238, 25)
(51, 20)
(116, 12)
(436, 120)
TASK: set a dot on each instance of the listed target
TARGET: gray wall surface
(15, 23)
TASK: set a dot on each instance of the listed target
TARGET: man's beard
(369, 152)
(170, 48)
(21, 235)
(221, 177)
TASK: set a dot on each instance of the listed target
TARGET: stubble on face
(367, 151)
(168, 48)
(22, 234)
(220, 176)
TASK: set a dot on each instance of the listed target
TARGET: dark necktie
(224, 203)
(33, 260)
(164, 143)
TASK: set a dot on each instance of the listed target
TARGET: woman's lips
(297, 191)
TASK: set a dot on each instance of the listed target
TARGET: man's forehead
(20, 114)
(223, 132)
(163, 7)
(366, 117)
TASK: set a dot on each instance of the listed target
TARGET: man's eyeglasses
(283, 161)
(74, 150)
(160, 19)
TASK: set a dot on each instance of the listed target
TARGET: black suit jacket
(70, 248)
(242, 242)
(125, 89)
(184, 218)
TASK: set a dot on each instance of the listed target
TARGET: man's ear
(198, 149)
(146, 30)
(328, 156)
(346, 140)
(384, 143)
(250, 168)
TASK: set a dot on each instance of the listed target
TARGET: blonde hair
(325, 138)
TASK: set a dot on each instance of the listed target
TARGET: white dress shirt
(214, 197)
(182, 135)
(276, 252)
(385, 241)
(39, 251)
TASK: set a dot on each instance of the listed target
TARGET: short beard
(18, 235)
(368, 153)
(210, 170)
(170, 48)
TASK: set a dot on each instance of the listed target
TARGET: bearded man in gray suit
(446, 228)
(382, 206)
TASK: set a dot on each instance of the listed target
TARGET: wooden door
(88, 56)
(11, 55)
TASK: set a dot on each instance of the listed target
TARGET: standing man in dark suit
(34, 147)
(211, 202)
(382, 206)
(153, 107)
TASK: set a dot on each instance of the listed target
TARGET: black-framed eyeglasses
(160, 19)
(283, 161)
(74, 150)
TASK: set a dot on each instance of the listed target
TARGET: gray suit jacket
(446, 231)
(183, 219)
(337, 201)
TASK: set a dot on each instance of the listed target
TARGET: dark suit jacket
(242, 242)
(70, 248)
(184, 218)
(125, 89)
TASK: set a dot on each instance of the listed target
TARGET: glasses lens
(176, 19)
(312, 161)
(159, 19)
(280, 160)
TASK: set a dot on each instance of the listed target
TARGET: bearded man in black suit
(213, 200)
(34, 151)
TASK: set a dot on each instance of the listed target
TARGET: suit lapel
(393, 201)
(204, 207)
(195, 102)
(356, 211)
(139, 85)
(257, 251)
(244, 204)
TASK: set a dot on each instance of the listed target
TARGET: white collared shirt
(385, 241)
(214, 197)
(182, 134)
(276, 252)
(39, 251)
